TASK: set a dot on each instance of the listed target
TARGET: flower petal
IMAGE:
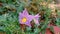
(28, 23)
(25, 12)
(21, 15)
(36, 17)
(36, 21)
(30, 17)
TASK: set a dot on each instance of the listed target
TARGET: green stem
(23, 31)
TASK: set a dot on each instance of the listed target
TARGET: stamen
(24, 19)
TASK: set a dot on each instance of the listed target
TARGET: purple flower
(25, 18)
(36, 19)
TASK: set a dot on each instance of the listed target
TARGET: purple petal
(30, 18)
(20, 17)
(36, 21)
(36, 17)
(25, 12)
(28, 23)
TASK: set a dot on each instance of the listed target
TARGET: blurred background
(49, 10)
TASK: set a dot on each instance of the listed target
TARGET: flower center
(24, 19)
